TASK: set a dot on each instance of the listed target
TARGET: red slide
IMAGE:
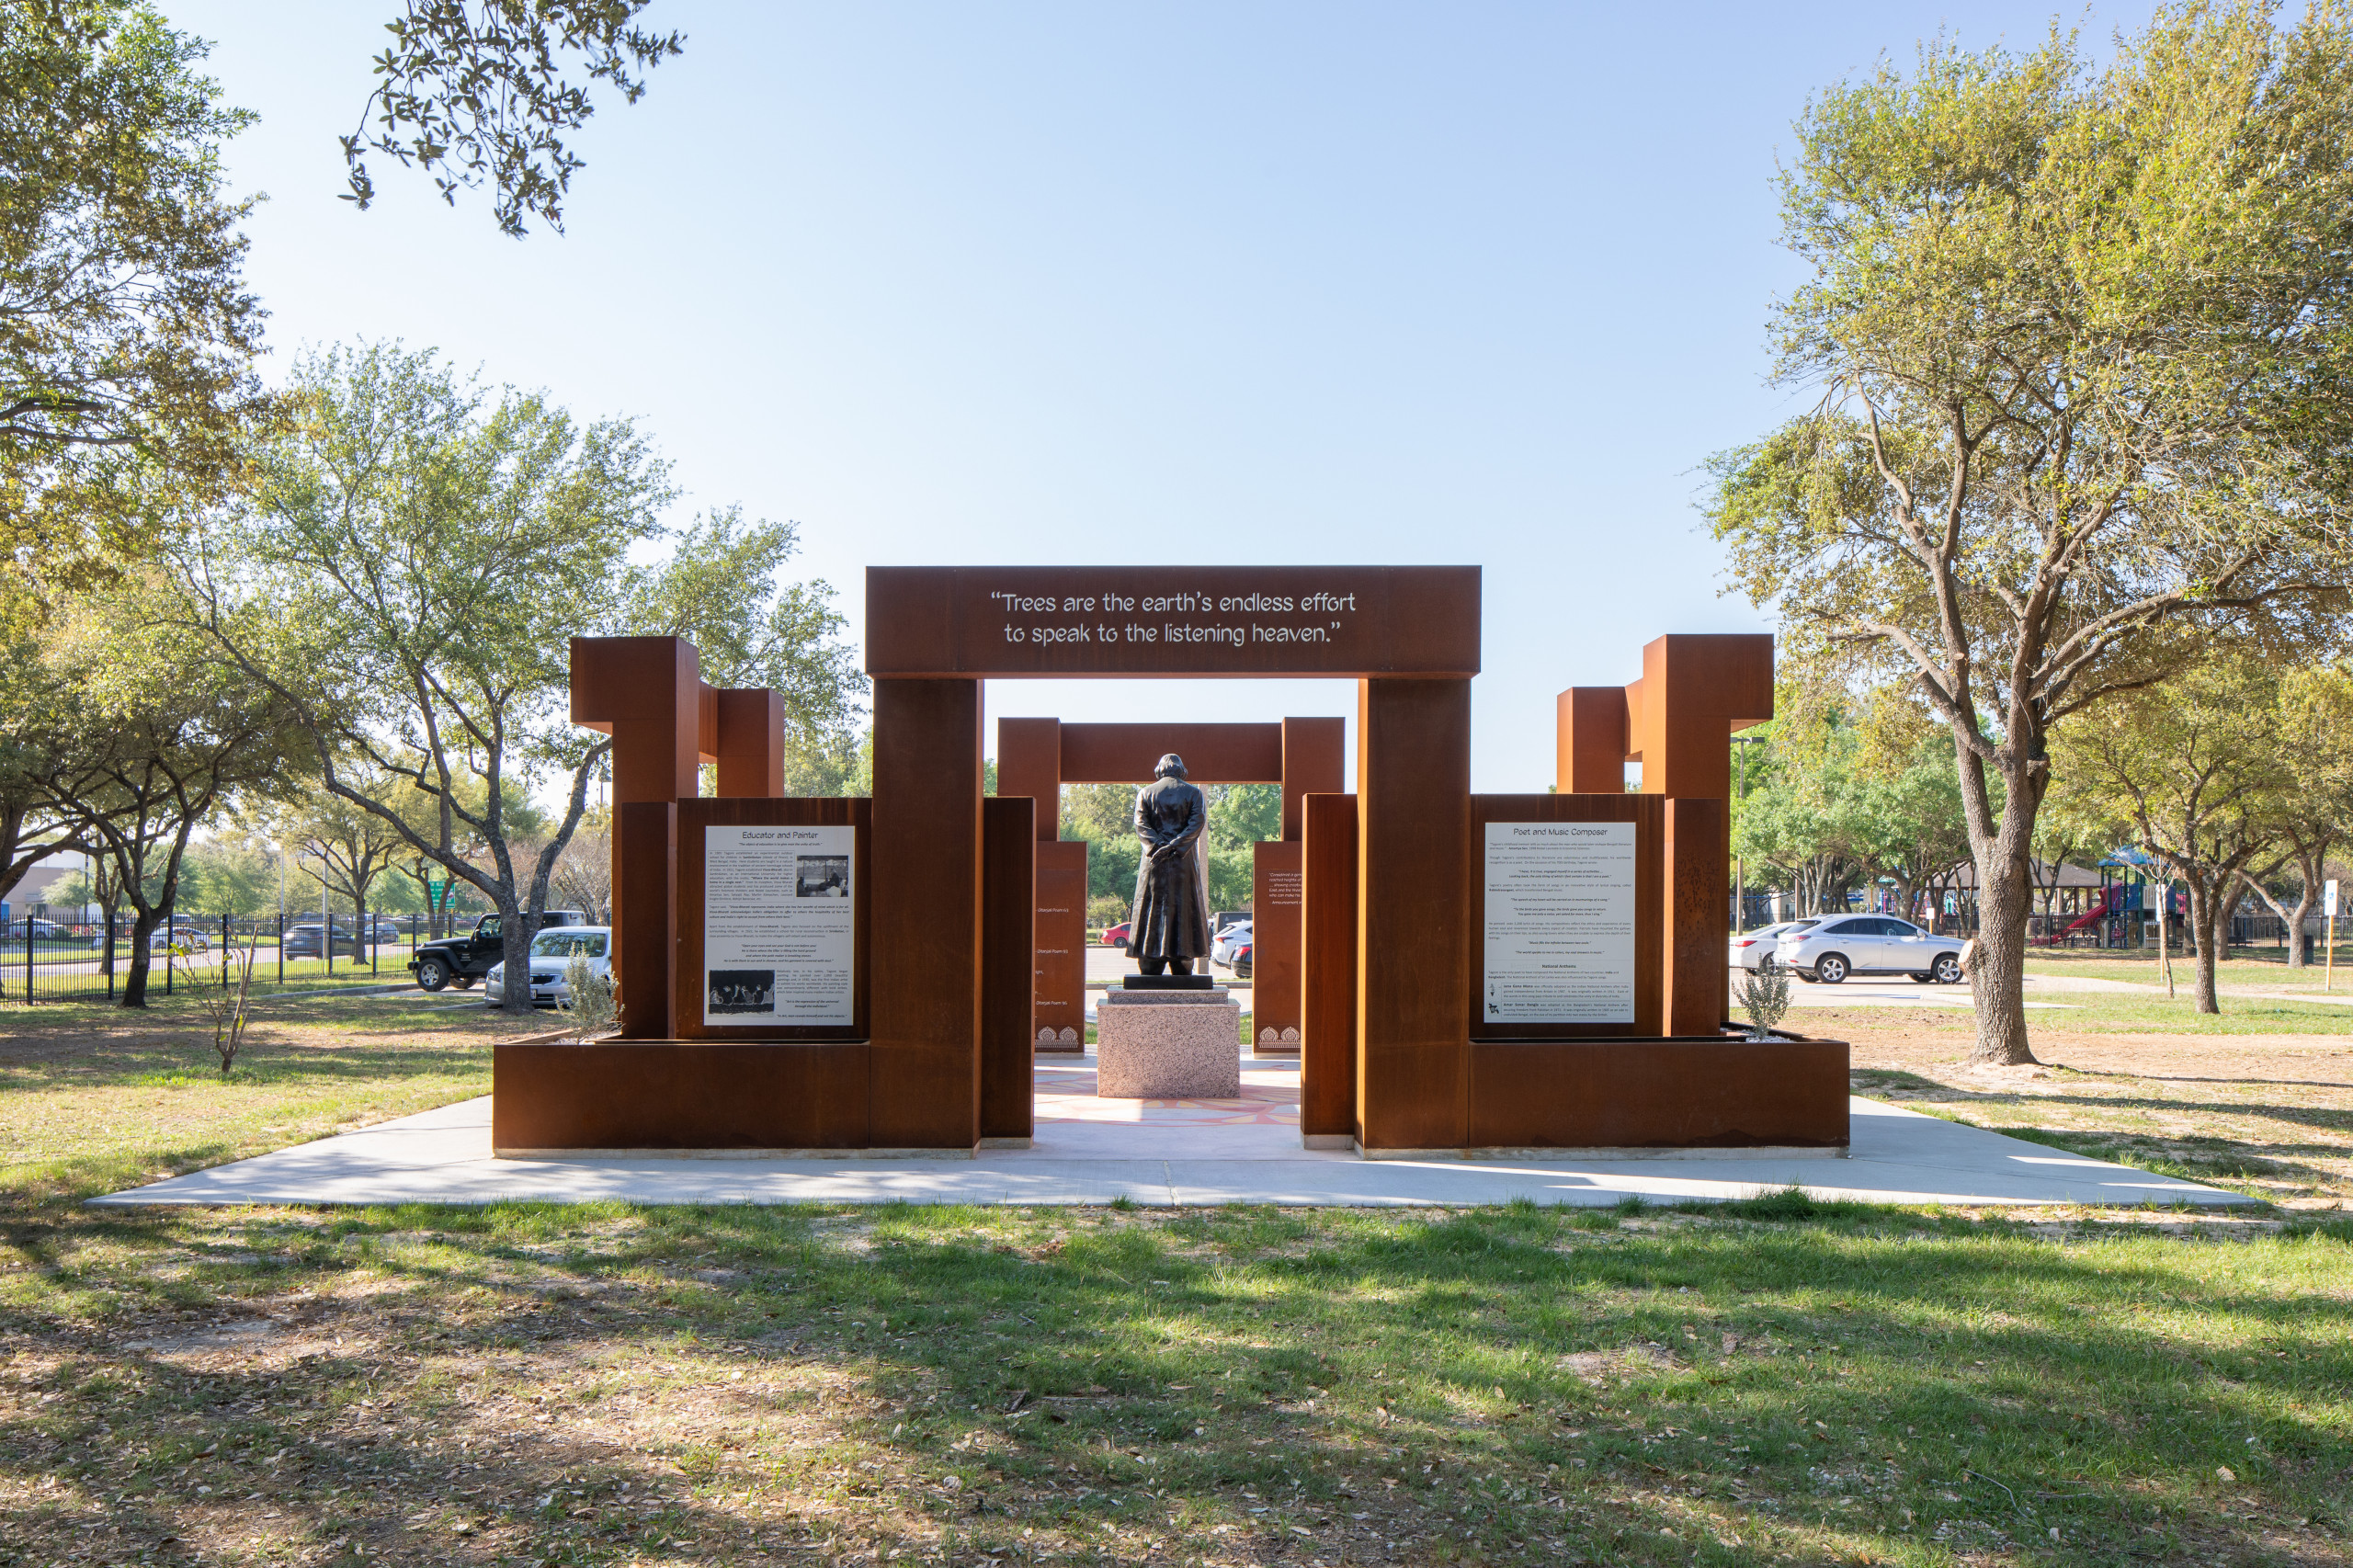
(2097, 913)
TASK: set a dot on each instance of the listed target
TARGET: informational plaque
(780, 933)
(1560, 923)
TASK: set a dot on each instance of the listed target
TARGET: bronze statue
(1168, 927)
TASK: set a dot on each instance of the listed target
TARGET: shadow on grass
(1883, 1375)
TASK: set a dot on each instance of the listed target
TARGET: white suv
(1869, 944)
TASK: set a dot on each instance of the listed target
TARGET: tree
(2080, 341)
(127, 335)
(39, 745)
(2193, 774)
(832, 763)
(347, 844)
(722, 588)
(1105, 815)
(479, 92)
(407, 578)
(1798, 820)
(584, 873)
(177, 732)
(228, 875)
(2314, 809)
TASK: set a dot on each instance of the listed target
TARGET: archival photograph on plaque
(780, 931)
(821, 876)
(1560, 923)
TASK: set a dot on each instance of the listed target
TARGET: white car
(1233, 937)
(1754, 949)
(1830, 950)
(552, 953)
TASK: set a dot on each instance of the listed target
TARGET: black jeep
(462, 961)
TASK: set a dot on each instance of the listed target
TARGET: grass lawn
(609, 1385)
(93, 1098)
(2260, 967)
(1239, 1386)
(2155, 1012)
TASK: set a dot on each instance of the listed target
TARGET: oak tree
(2081, 338)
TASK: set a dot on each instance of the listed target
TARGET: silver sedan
(1754, 949)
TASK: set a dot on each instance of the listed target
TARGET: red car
(1117, 936)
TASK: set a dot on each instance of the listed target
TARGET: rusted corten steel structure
(1038, 757)
(1676, 722)
(1395, 1056)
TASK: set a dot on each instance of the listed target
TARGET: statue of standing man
(1168, 927)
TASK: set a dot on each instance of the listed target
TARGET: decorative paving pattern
(1269, 1098)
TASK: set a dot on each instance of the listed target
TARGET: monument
(1476, 971)
(1168, 924)
(1168, 1033)
(1036, 756)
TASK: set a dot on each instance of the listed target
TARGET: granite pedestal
(1168, 1045)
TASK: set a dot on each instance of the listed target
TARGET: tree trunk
(134, 983)
(2205, 908)
(2311, 868)
(2001, 849)
(1997, 971)
(515, 943)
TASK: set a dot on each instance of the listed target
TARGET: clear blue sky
(950, 283)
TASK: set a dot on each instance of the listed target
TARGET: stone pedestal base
(1168, 1045)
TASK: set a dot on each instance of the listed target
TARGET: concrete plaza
(1174, 1153)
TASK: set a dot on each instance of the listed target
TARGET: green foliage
(172, 733)
(126, 334)
(2081, 338)
(722, 588)
(416, 559)
(1845, 794)
(1764, 994)
(2197, 775)
(590, 1005)
(1244, 814)
(226, 876)
(479, 93)
(413, 569)
(1104, 815)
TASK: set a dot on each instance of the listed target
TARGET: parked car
(1117, 936)
(384, 928)
(43, 931)
(1754, 949)
(309, 941)
(552, 954)
(1233, 937)
(462, 961)
(1829, 951)
(1240, 961)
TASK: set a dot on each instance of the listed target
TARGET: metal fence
(43, 961)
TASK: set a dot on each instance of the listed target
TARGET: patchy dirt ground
(2271, 1115)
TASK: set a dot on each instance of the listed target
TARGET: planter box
(1677, 1092)
(678, 1096)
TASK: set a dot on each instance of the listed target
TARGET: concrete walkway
(1168, 1153)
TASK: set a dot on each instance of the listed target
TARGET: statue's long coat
(1170, 918)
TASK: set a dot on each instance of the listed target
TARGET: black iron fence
(43, 960)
